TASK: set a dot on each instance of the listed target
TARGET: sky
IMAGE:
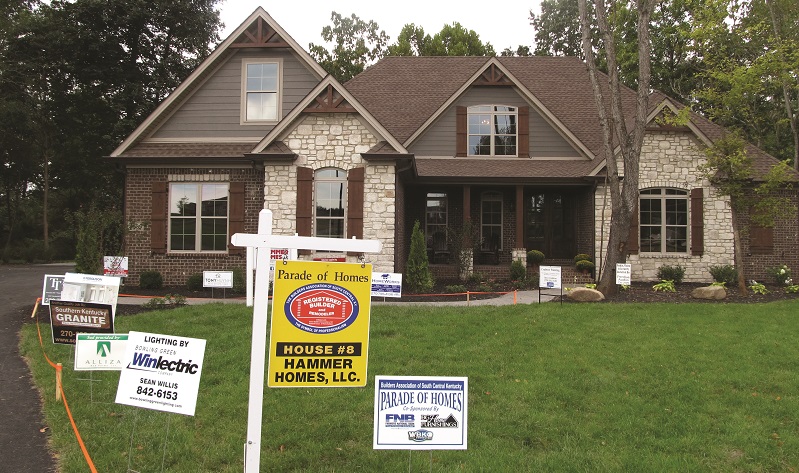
(508, 25)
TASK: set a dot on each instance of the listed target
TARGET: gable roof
(258, 30)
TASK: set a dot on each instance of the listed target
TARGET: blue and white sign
(549, 277)
(386, 285)
(420, 413)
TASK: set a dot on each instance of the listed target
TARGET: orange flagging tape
(63, 396)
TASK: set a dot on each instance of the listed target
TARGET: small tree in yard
(417, 272)
(729, 169)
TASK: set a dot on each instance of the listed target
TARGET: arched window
(492, 130)
(663, 221)
(330, 198)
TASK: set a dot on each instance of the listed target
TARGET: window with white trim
(663, 221)
(260, 91)
(491, 221)
(330, 198)
(198, 217)
(492, 130)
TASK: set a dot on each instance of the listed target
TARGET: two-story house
(510, 145)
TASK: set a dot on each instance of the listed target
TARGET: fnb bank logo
(420, 435)
(400, 420)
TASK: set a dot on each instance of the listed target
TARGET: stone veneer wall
(175, 268)
(670, 159)
(336, 140)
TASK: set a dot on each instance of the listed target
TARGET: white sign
(280, 254)
(549, 277)
(161, 372)
(623, 272)
(218, 279)
(79, 287)
(53, 283)
(100, 352)
(420, 413)
(386, 285)
(115, 266)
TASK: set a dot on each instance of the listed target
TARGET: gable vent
(493, 76)
(259, 35)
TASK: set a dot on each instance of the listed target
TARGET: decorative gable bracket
(260, 35)
(329, 101)
(493, 76)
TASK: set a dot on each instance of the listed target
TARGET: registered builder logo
(321, 308)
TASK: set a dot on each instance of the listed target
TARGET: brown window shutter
(761, 240)
(236, 215)
(632, 240)
(355, 180)
(461, 131)
(697, 222)
(304, 203)
(158, 217)
(523, 130)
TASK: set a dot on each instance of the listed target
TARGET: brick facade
(175, 268)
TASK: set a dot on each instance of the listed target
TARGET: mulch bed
(643, 292)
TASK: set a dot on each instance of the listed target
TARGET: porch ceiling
(505, 169)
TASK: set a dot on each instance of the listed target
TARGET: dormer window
(492, 130)
(261, 91)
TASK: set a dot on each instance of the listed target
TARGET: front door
(549, 223)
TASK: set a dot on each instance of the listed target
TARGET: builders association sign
(420, 413)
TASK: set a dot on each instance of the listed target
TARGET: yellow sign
(320, 324)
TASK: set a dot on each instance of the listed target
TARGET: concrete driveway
(23, 447)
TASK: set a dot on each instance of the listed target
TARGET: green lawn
(574, 387)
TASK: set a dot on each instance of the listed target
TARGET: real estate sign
(320, 325)
(623, 272)
(222, 279)
(52, 287)
(420, 413)
(161, 372)
(549, 277)
(386, 284)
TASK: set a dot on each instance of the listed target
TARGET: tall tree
(356, 43)
(90, 71)
(623, 187)
(452, 40)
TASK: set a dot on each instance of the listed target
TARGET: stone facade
(671, 159)
(336, 141)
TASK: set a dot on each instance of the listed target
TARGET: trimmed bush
(151, 280)
(455, 289)
(418, 277)
(584, 265)
(239, 281)
(195, 282)
(671, 273)
(582, 257)
(535, 257)
(517, 271)
(726, 274)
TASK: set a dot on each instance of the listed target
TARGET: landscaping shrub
(725, 273)
(582, 257)
(535, 257)
(195, 282)
(584, 265)
(239, 281)
(455, 289)
(781, 275)
(517, 271)
(151, 280)
(671, 273)
(418, 277)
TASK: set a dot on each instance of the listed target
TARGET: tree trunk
(738, 254)
(45, 196)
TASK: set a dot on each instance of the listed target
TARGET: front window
(436, 221)
(492, 130)
(491, 221)
(198, 217)
(330, 186)
(261, 91)
(664, 221)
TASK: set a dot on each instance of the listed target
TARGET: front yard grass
(602, 387)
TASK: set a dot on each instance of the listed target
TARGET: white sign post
(264, 241)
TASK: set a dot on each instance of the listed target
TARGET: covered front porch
(484, 227)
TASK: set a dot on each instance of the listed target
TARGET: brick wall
(177, 267)
(784, 250)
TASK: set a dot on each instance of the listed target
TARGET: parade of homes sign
(320, 324)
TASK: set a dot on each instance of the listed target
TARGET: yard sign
(320, 324)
